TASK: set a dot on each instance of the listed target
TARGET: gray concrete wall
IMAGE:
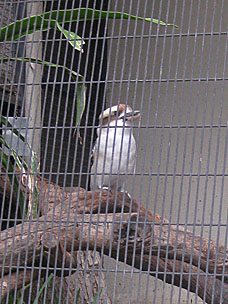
(177, 150)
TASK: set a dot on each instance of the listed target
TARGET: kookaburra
(114, 153)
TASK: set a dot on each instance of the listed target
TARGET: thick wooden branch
(118, 226)
(16, 279)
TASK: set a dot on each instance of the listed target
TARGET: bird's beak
(134, 115)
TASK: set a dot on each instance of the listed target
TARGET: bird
(114, 152)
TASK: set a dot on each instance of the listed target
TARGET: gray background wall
(176, 78)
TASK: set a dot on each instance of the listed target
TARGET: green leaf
(13, 179)
(42, 287)
(21, 163)
(48, 20)
(80, 89)
(80, 96)
(81, 100)
(97, 296)
(74, 40)
(74, 75)
(10, 300)
(34, 166)
(77, 296)
(19, 294)
(5, 122)
(14, 154)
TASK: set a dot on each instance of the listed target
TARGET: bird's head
(122, 113)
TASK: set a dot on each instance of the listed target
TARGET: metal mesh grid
(176, 78)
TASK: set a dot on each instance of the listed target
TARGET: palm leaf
(74, 75)
(7, 164)
(48, 20)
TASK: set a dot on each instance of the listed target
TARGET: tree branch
(118, 226)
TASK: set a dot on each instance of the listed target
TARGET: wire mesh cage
(113, 151)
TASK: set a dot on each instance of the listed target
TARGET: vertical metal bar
(85, 270)
(68, 154)
(17, 206)
(134, 41)
(109, 103)
(79, 182)
(204, 117)
(87, 121)
(217, 146)
(60, 156)
(51, 168)
(194, 136)
(161, 139)
(33, 111)
(170, 130)
(223, 179)
(119, 81)
(192, 153)
(138, 132)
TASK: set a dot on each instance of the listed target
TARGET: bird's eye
(114, 113)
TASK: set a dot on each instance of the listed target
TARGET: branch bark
(113, 224)
(89, 282)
